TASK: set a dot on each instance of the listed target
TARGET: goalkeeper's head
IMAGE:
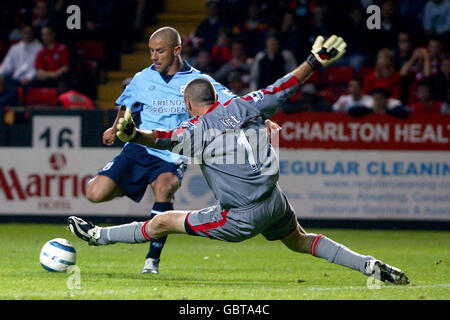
(165, 50)
(199, 96)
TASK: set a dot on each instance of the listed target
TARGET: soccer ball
(57, 255)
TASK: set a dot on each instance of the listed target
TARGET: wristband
(136, 137)
(313, 62)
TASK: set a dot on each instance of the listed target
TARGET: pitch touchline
(444, 285)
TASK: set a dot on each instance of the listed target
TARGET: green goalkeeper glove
(126, 128)
(322, 54)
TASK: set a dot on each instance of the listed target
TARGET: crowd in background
(38, 50)
(402, 67)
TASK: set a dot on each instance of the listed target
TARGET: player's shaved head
(168, 34)
(201, 92)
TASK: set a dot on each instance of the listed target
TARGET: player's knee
(166, 188)
(93, 194)
(159, 225)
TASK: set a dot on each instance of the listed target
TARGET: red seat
(90, 49)
(328, 95)
(364, 72)
(21, 95)
(337, 75)
(42, 97)
(314, 78)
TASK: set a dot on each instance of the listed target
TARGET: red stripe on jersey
(227, 103)
(285, 85)
(164, 134)
(211, 225)
(212, 107)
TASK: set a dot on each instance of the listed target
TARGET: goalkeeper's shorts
(273, 217)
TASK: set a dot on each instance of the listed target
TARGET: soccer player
(155, 97)
(250, 200)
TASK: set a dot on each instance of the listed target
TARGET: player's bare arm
(109, 136)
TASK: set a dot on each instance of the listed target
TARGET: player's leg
(135, 232)
(323, 247)
(102, 188)
(164, 188)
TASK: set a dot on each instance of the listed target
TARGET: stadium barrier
(332, 166)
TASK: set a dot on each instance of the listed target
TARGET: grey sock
(126, 233)
(334, 252)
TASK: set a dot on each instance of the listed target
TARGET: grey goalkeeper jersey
(231, 144)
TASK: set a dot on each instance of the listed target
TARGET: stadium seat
(315, 78)
(337, 75)
(90, 49)
(21, 94)
(328, 95)
(364, 72)
(42, 97)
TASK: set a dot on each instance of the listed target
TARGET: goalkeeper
(250, 200)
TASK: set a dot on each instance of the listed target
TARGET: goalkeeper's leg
(323, 247)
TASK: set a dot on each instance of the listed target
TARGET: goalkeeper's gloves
(322, 54)
(126, 128)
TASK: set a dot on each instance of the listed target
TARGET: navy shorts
(134, 169)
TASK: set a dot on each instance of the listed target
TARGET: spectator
(389, 26)
(235, 83)
(69, 98)
(425, 105)
(188, 51)
(221, 50)
(203, 62)
(446, 105)
(253, 30)
(355, 31)
(384, 76)
(383, 104)
(271, 64)
(434, 48)
(239, 61)
(441, 80)
(309, 100)
(290, 35)
(41, 15)
(8, 94)
(52, 62)
(436, 17)
(404, 49)
(19, 62)
(208, 29)
(355, 98)
(417, 69)
(410, 16)
(318, 24)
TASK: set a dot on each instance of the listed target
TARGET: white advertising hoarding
(338, 184)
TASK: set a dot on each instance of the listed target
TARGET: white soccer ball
(57, 255)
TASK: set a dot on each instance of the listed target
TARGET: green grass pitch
(199, 268)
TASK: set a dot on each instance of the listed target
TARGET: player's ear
(177, 51)
(188, 104)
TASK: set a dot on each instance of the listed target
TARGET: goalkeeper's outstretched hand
(325, 52)
(126, 128)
